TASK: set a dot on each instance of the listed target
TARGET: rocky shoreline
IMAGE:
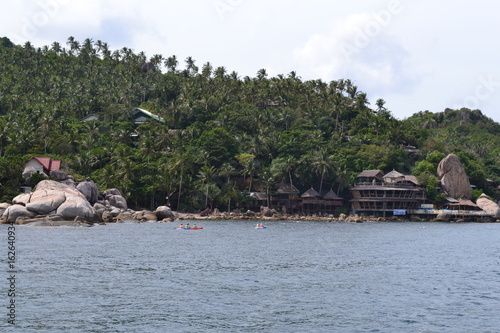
(55, 203)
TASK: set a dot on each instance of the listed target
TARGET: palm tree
(56, 47)
(171, 64)
(247, 161)
(282, 167)
(181, 160)
(266, 177)
(342, 173)
(227, 170)
(321, 164)
(73, 44)
(206, 176)
(191, 68)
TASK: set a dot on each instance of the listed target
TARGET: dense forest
(223, 135)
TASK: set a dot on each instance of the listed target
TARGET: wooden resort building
(312, 202)
(288, 198)
(378, 195)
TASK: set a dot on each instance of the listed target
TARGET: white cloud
(359, 48)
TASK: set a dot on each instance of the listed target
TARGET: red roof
(48, 164)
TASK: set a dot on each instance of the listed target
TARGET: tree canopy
(222, 134)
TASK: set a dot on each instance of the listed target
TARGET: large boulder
(89, 190)
(443, 217)
(117, 201)
(3, 207)
(114, 198)
(77, 207)
(58, 175)
(22, 199)
(12, 213)
(111, 191)
(51, 185)
(144, 215)
(267, 212)
(164, 212)
(488, 205)
(28, 171)
(454, 180)
(43, 202)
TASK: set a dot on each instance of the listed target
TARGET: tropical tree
(321, 164)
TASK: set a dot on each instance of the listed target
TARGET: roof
(460, 202)
(311, 193)
(371, 174)
(331, 196)
(258, 196)
(90, 117)
(138, 111)
(393, 174)
(47, 163)
(412, 179)
(287, 188)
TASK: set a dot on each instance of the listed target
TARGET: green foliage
(440, 198)
(431, 188)
(253, 132)
(476, 193)
(36, 178)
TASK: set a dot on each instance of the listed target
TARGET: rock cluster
(57, 203)
(50, 198)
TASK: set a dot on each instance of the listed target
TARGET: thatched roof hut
(393, 177)
(311, 193)
(331, 196)
(370, 176)
(287, 188)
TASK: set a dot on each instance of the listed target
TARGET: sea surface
(232, 277)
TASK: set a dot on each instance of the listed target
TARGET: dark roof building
(140, 116)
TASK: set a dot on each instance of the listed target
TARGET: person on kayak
(181, 226)
(187, 226)
(194, 226)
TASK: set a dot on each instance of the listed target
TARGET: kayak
(197, 228)
(264, 227)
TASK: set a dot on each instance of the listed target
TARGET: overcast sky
(416, 55)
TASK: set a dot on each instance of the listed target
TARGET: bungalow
(332, 200)
(288, 197)
(140, 116)
(40, 165)
(90, 117)
(312, 202)
(43, 165)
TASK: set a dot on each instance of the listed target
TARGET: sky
(416, 55)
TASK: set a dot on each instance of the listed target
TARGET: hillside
(219, 135)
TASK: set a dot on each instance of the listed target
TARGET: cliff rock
(454, 180)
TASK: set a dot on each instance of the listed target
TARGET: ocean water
(231, 277)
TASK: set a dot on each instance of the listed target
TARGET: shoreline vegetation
(203, 135)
